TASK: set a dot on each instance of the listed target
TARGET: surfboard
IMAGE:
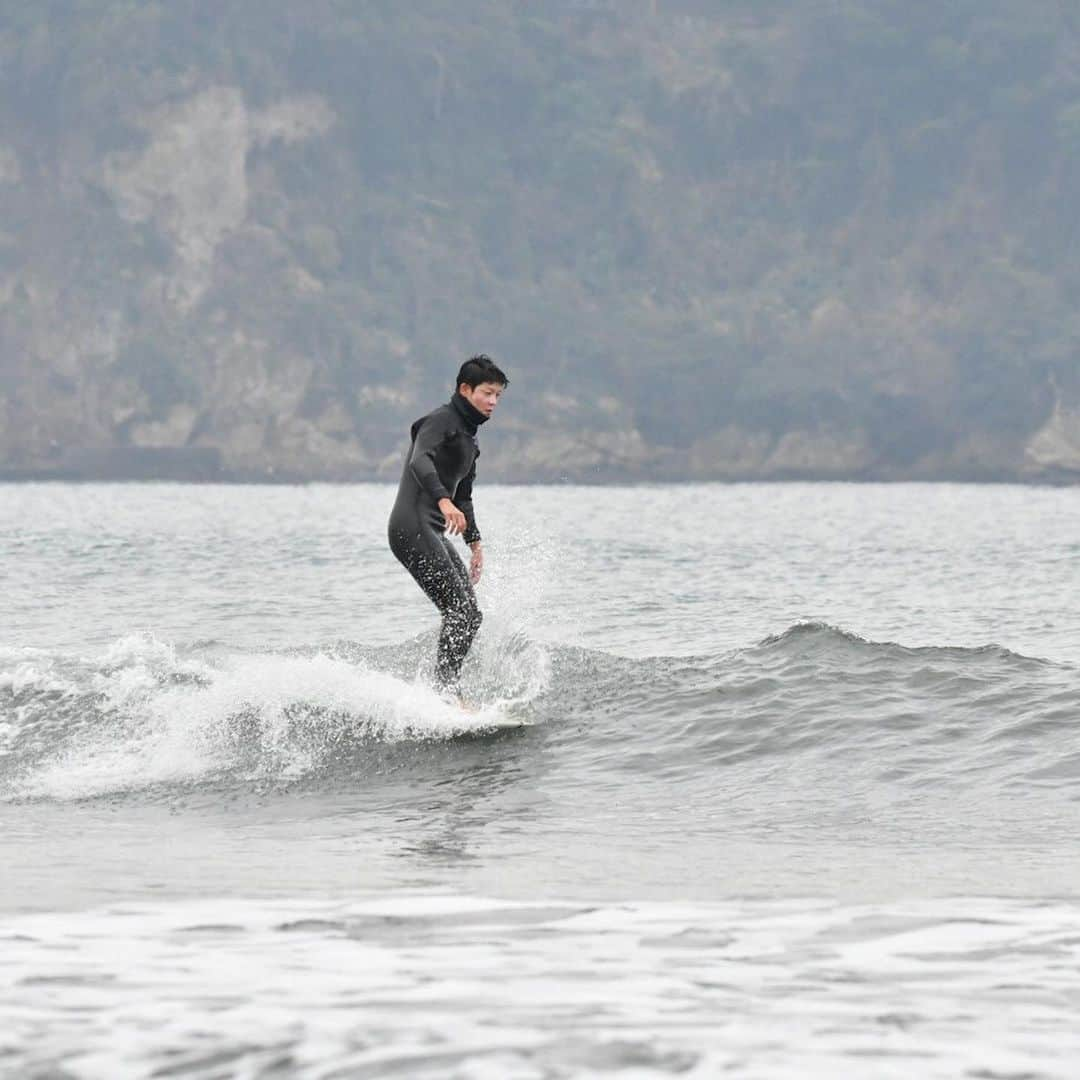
(481, 719)
(494, 722)
(503, 723)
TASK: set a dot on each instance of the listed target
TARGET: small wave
(833, 710)
(821, 638)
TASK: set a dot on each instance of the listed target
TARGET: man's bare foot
(455, 697)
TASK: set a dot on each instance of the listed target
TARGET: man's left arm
(471, 536)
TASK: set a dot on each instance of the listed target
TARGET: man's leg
(438, 570)
(461, 618)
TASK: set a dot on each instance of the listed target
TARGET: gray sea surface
(799, 794)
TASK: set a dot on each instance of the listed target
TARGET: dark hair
(480, 369)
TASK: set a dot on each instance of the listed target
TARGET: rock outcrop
(191, 179)
(1055, 447)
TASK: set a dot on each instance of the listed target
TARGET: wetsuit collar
(472, 416)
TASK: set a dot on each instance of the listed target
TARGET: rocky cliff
(707, 241)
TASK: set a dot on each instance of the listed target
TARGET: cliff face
(707, 241)
(151, 356)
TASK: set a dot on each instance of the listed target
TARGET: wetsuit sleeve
(463, 501)
(422, 459)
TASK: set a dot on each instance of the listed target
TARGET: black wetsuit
(441, 464)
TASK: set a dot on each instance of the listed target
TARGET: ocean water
(799, 795)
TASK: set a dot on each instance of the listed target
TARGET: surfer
(434, 503)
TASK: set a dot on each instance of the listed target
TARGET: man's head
(481, 383)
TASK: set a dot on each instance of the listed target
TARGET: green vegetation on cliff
(797, 237)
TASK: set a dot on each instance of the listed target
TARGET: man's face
(482, 398)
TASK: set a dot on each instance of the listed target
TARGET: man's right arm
(422, 464)
(422, 459)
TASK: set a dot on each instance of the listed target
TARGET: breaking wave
(831, 708)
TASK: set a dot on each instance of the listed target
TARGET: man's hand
(455, 519)
(476, 563)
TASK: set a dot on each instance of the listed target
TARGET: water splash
(143, 714)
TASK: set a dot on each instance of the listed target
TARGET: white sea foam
(431, 986)
(35, 675)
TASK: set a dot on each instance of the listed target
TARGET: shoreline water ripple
(432, 985)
